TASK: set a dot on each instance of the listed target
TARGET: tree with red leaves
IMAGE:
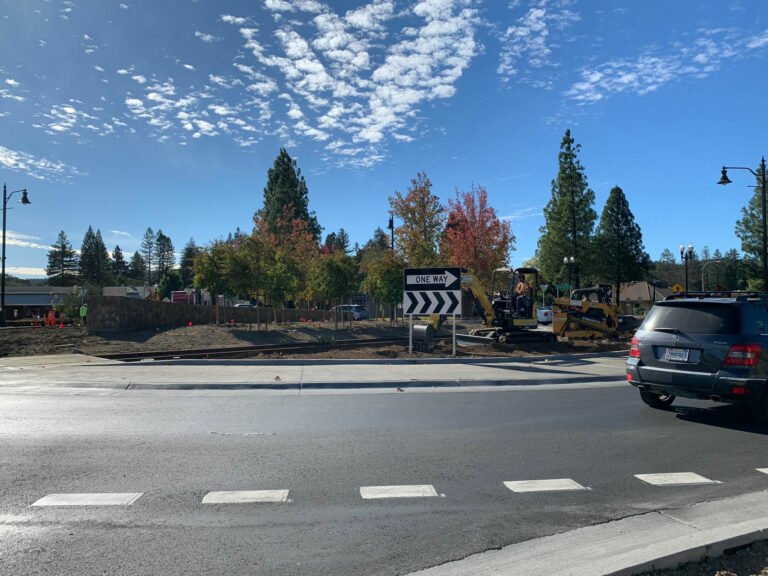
(474, 237)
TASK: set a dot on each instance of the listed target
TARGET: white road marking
(246, 497)
(763, 470)
(90, 499)
(413, 491)
(544, 485)
(675, 479)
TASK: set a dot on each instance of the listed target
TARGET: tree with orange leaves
(474, 237)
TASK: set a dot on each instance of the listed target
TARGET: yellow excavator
(589, 313)
(507, 315)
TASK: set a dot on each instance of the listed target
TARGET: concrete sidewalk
(651, 541)
(76, 371)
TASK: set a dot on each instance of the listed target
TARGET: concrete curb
(651, 541)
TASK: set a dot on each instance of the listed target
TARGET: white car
(544, 314)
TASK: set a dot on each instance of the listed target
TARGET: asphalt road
(174, 447)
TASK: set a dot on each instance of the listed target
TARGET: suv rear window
(694, 318)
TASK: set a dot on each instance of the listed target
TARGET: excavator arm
(470, 281)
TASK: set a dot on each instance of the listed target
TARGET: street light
(725, 180)
(392, 230)
(569, 263)
(24, 200)
(685, 256)
(703, 267)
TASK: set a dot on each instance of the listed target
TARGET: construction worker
(522, 290)
(83, 313)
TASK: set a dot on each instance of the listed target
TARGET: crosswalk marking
(246, 497)
(412, 491)
(551, 485)
(675, 479)
(90, 499)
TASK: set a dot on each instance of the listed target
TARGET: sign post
(431, 291)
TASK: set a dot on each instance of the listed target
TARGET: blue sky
(130, 114)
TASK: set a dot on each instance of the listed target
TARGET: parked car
(544, 314)
(706, 347)
(357, 311)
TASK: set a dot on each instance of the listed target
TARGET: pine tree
(137, 269)
(286, 188)
(62, 263)
(148, 251)
(569, 218)
(619, 243)
(94, 259)
(119, 265)
(164, 253)
(187, 264)
(749, 228)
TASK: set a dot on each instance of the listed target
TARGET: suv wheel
(656, 400)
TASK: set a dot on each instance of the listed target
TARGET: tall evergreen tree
(137, 269)
(286, 188)
(569, 218)
(119, 265)
(94, 259)
(62, 263)
(749, 228)
(164, 252)
(187, 264)
(149, 252)
(621, 256)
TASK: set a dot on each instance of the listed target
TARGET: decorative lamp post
(569, 263)
(725, 180)
(24, 200)
(685, 256)
(392, 230)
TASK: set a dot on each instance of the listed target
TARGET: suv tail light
(743, 355)
(635, 349)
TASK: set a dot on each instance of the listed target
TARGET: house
(638, 297)
(34, 301)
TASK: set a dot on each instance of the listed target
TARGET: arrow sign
(432, 279)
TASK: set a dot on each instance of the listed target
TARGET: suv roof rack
(739, 295)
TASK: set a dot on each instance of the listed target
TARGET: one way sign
(432, 291)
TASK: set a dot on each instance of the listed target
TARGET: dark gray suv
(710, 346)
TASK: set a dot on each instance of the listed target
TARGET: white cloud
(21, 271)
(40, 168)
(229, 19)
(15, 239)
(12, 83)
(189, 67)
(139, 78)
(207, 38)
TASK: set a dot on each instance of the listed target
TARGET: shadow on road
(730, 416)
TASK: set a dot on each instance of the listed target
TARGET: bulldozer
(508, 316)
(589, 313)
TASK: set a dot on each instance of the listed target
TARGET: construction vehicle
(590, 313)
(507, 315)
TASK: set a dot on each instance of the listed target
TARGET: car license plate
(676, 355)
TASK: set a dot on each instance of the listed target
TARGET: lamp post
(685, 256)
(569, 263)
(24, 200)
(725, 180)
(392, 230)
(703, 267)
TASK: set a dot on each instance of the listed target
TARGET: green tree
(287, 190)
(187, 264)
(119, 265)
(210, 268)
(149, 252)
(621, 256)
(170, 281)
(422, 223)
(137, 269)
(749, 228)
(94, 259)
(63, 263)
(164, 253)
(384, 279)
(569, 218)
